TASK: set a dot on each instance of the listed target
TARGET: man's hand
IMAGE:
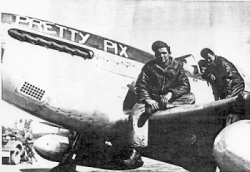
(212, 77)
(152, 103)
(138, 108)
(228, 96)
(165, 98)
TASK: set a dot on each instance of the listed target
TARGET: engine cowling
(232, 147)
(52, 147)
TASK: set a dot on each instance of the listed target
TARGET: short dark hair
(159, 44)
(205, 52)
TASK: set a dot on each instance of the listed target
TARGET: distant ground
(43, 165)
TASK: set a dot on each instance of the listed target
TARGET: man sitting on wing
(162, 82)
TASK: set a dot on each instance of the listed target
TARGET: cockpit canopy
(190, 65)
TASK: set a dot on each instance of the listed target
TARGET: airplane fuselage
(67, 76)
(65, 86)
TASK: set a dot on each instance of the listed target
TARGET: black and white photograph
(125, 85)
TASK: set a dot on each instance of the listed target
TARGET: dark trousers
(188, 98)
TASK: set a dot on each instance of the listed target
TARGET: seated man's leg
(138, 137)
(184, 99)
(145, 116)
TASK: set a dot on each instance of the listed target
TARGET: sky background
(187, 26)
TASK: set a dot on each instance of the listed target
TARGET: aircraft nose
(231, 147)
(51, 147)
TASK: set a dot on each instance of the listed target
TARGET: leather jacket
(155, 80)
(226, 75)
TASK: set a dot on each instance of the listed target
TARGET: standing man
(162, 82)
(224, 77)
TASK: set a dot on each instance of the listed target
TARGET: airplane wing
(51, 124)
(185, 135)
(182, 136)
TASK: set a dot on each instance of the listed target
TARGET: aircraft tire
(15, 157)
(64, 168)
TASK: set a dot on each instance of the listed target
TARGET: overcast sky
(187, 26)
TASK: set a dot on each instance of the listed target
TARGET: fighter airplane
(82, 82)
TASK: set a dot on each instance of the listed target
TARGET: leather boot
(134, 159)
(145, 116)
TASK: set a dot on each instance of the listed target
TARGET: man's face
(210, 58)
(162, 55)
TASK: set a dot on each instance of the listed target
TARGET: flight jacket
(155, 80)
(226, 74)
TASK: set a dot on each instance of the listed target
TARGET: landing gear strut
(67, 163)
